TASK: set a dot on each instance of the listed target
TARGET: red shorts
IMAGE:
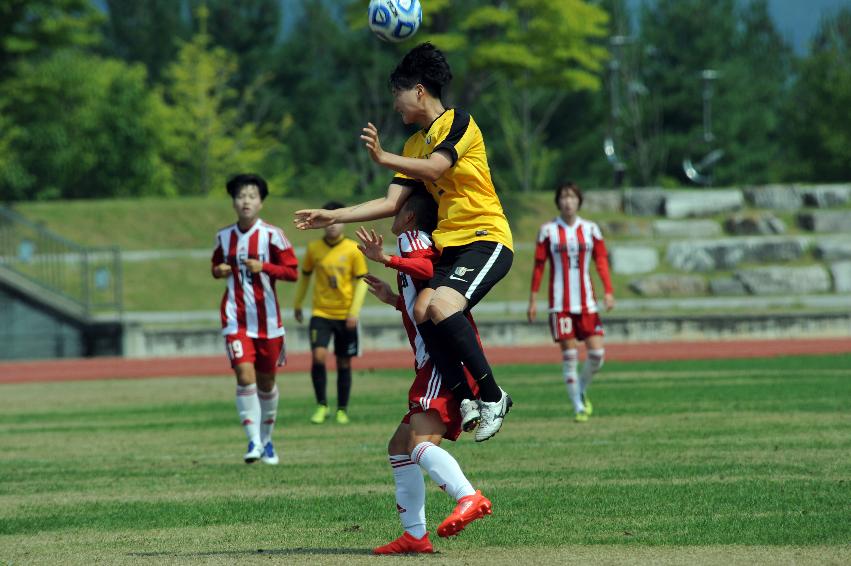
(265, 353)
(428, 393)
(565, 325)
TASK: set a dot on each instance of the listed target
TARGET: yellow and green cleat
(342, 417)
(320, 414)
(589, 408)
(581, 417)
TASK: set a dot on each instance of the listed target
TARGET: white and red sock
(268, 412)
(443, 469)
(410, 494)
(248, 407)
(570, 361)
(592, 366)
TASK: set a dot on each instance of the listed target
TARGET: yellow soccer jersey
(336, 269)
(468, 208)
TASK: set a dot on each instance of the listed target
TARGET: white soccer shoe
(255, 452)
(492, 415)
(470, 415)
(269, 455)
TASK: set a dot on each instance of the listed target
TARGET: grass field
(722, 462)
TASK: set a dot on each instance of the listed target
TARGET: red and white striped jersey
(415, 266)
(250, 303)
(569, 250)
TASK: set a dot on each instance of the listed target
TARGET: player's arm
(382, 291)
(430, 169)
(303, 284)
(374, 209)
(359, 269)
(418, 264)
(601, 262)
(219, 268)
(537, 274)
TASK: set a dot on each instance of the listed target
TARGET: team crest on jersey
(461, 271)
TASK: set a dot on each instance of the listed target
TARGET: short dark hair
(569, 186)
(424, 208)
(425, 65)
(333, 205)
(246, 179)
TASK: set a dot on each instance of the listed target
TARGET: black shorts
(346, 342)
(472, 269)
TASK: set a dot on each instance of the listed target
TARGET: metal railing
(88, 276)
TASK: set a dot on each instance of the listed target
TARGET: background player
(569, 243)
(433, 410)
(252, 255)
(447, 158)
(338, 295)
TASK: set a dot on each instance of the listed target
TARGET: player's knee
(439, 309)
(596, 358)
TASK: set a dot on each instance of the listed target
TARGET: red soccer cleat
(469, 508)
(406, 544)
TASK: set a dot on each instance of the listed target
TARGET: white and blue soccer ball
(395, 20)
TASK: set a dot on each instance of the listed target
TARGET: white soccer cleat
(492, 415)
(269, 455)
(470, 415)
(255, 452)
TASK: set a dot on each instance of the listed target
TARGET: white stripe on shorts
(483, 272)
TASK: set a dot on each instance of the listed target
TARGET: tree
(81, 127)
(145, 32)
(210, 135)
(38, 27)
(752, 61)
(818, 118)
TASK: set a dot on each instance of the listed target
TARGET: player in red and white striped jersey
(433, 410)
(570, 243)
(252, 255)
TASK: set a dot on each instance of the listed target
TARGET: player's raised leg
(444, 469)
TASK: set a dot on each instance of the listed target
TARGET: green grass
(683, 462)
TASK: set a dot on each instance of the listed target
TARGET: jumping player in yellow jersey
(447, 158)
(338, 296)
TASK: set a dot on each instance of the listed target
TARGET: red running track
(122, 368)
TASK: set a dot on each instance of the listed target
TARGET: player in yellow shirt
(338, 295)
(447, 158)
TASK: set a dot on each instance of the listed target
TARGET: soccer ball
(395, 20)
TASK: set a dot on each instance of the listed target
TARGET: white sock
(410, 494)
(268, 412)
(443, 469)
(592, 366)
(248, 406)
(570, 361)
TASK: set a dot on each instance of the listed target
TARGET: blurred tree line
(168, 97)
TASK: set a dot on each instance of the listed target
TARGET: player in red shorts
(570, 243)
(433, 411)
(251, 255)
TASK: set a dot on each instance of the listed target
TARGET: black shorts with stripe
(346, 342)
(472, 269)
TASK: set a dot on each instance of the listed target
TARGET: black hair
(425, 65)
(247, 179)
(425, 210)
(569, 186)
(333, 205)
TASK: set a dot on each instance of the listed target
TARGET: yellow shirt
(468, 209)
(337, 270)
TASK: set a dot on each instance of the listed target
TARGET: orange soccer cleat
(406, 544)
(469, 508)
